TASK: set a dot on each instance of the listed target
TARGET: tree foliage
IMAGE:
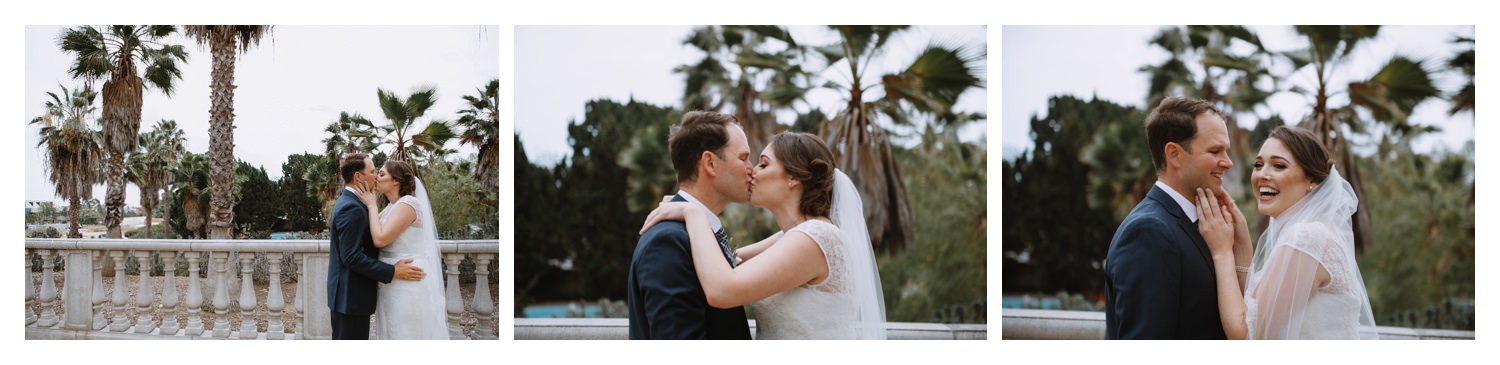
(467, 210)
(300, 204)
(1055, 233)
(945, 268)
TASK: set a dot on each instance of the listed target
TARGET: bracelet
(1244, 269)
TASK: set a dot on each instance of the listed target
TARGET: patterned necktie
(724, 245)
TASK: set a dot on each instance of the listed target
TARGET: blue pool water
(557, 311)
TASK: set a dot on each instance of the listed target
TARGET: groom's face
(734, 173)
(1207, 159)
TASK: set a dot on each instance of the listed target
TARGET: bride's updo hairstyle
(1307, 150)
(807, 159)
(403, 173)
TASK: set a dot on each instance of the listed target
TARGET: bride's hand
(366, 194)
(1215, 222)
(1243, 246)
(668, 211)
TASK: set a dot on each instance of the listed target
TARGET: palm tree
(223, 41)
(190, 186)
(480, 121)
(350, 133)
(403, 114)
(72, 147)
(930, 86)
(173, 147)
(151, 167)
(114, 54)
(1464, 98)
(1389, 96)
(1223, 77)
(767, 76)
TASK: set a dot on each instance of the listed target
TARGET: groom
(353, 261)
(712, 159)
(1159, 275)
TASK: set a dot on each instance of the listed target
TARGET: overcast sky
(290, 87)
(560, 68)
(1084, 61)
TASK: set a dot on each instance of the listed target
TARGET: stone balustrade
(77, 308)
(1044, 324)
(619, 329)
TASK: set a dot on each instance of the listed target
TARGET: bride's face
(1278, 180)
(384, 182)
(770, 183)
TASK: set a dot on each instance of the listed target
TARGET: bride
(816, 278)
(1302, 282)
(406, 310)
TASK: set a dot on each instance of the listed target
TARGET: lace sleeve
(1278, 297)
(417, 208)
(829, 240)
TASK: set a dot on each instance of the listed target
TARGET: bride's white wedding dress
(822, 311)
(412, 310)
(848, 303)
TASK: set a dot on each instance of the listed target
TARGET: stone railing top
(446, 246)
(619, 329)
(1053, 324)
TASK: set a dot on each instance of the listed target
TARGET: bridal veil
(848, 215)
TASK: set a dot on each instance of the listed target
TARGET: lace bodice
(822, 310)
(1332, 310)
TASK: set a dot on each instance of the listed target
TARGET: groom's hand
(406, 271)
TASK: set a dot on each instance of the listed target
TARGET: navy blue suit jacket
(354, 265)
(1159, 276)
(666, 300)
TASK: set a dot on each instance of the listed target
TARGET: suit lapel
(1187, 226)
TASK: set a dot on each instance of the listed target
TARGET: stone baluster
(297, 296)
(30, 292)
(143, 293)
(484, 307)
(49, 291)
(117, 302)
(247, 296)
(78, 291)
(168, 310)
(98, 293)
(221, 295)
(194, 296)
(454, 301)
(274, 300)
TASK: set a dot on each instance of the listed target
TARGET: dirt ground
(288, 315)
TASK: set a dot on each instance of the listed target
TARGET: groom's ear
(1172, 153)
(706, 163)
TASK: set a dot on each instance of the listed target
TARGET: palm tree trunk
(148, 219)
(221, 137)
(73, 203)
(488, 171)
(121, 123)
(114, 200)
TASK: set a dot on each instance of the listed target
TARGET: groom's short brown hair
(699, 131)
(351, 163)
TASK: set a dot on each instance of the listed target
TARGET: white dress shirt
(713, 219)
